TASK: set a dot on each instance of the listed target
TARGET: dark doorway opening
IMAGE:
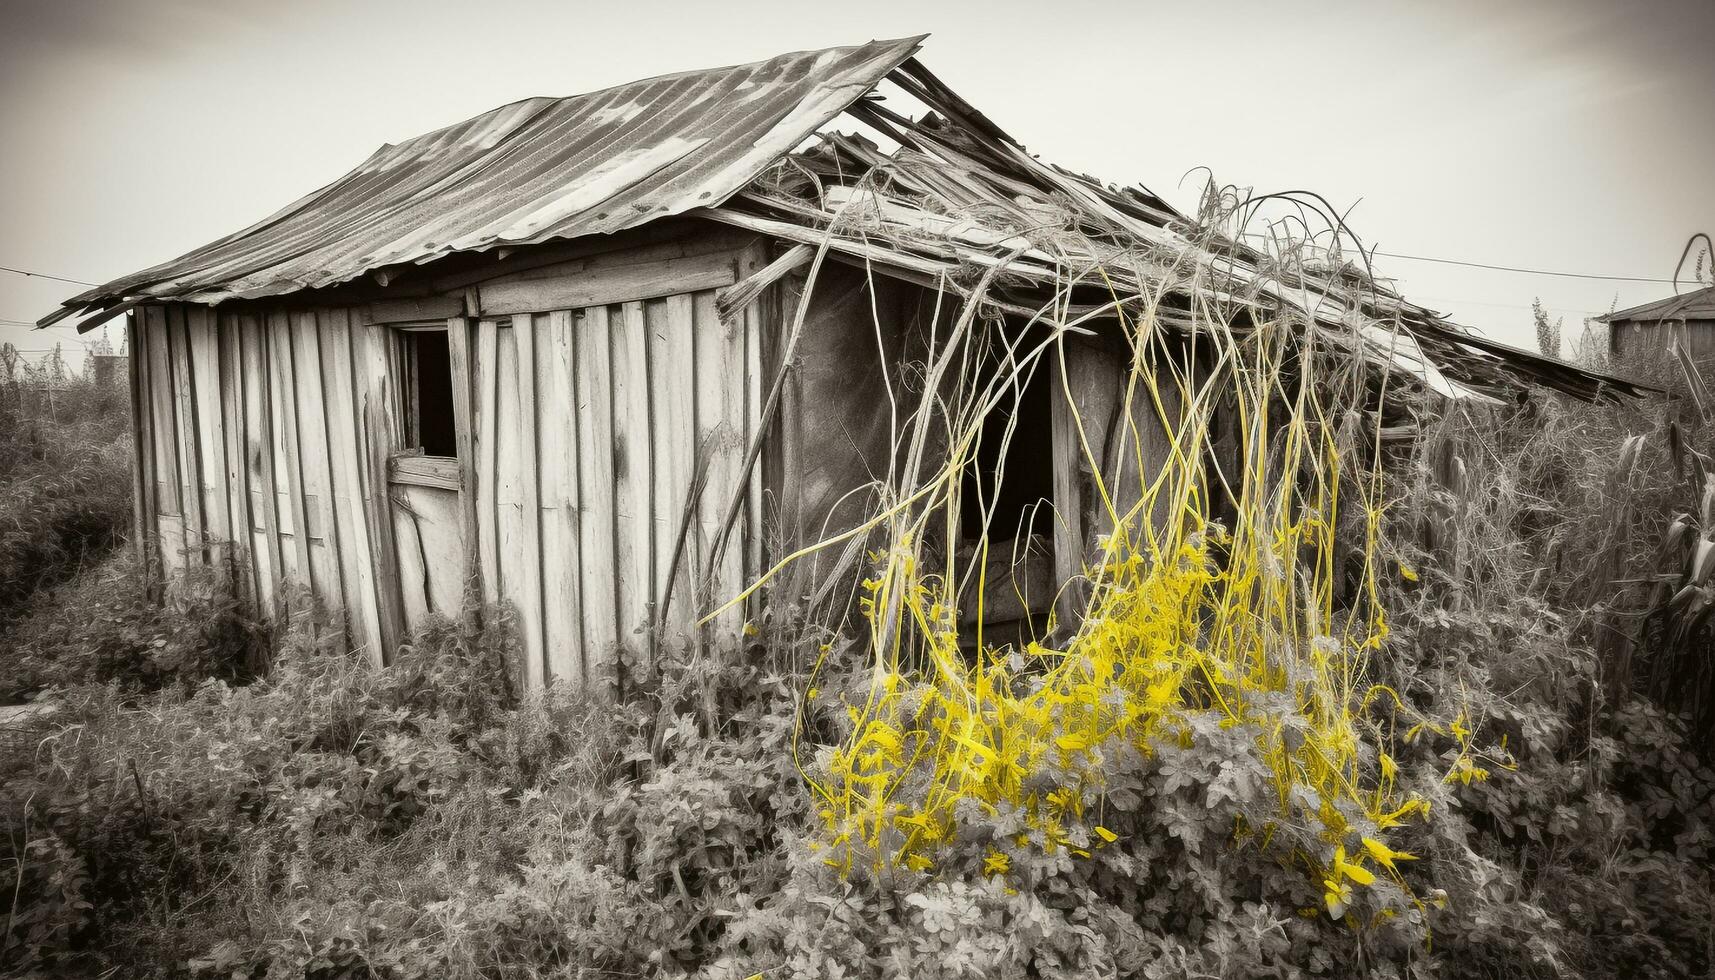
(1014, 476)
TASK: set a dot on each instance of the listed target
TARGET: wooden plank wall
(589, 423)
(1638, 340)
(585, 429)
(249, 435)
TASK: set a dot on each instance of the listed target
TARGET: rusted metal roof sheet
(530, 172)
(1696, 305)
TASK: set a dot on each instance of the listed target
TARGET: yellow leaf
(1106, 834)
(1357, 873)
(1384, 854)
(1073, 741)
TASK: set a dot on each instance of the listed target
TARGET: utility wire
(1391, 255)
(43, 275)
(1510, 268)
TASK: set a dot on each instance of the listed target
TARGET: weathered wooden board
(350, 514)
(431, 551)
(426, 471)
(756, 382)
(259, 464)
(314, 459)
(721, 426)
(673, 380)
(185, 435)
(508, 494)
(413, 309)
(487, 455)
(204, 350)
(413, 557)
(378, 438)
(528, 595)
(633, 449)
(228, 342)
(464, 421)
(604, 287)
(556, 389)
(288, 463)
(595, 490)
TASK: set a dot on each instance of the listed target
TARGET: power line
(43, 275)
(1550, 307)
(1530, 272)
(12, 322)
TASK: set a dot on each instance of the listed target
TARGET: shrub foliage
(182, 807)
(65, 481)
(329, 820)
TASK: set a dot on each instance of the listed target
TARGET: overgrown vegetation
(65, 474)
(187, 809)
(330, 821)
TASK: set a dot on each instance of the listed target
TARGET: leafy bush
(106, 626)
(65, 482)
(334, 821)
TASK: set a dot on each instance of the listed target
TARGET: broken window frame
(413, 463)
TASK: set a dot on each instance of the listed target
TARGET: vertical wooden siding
(250, 435)
(589, 424)
(587, 430)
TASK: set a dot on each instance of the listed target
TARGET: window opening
(428, 392)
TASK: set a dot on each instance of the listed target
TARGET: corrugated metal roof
(1696, 305)
(530, 172)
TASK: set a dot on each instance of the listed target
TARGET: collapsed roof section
(955, 201)
(959, 196)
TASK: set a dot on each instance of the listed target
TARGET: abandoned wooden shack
(1687, 320)
(605, 358)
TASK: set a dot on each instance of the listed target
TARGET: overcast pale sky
(1568, 135)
